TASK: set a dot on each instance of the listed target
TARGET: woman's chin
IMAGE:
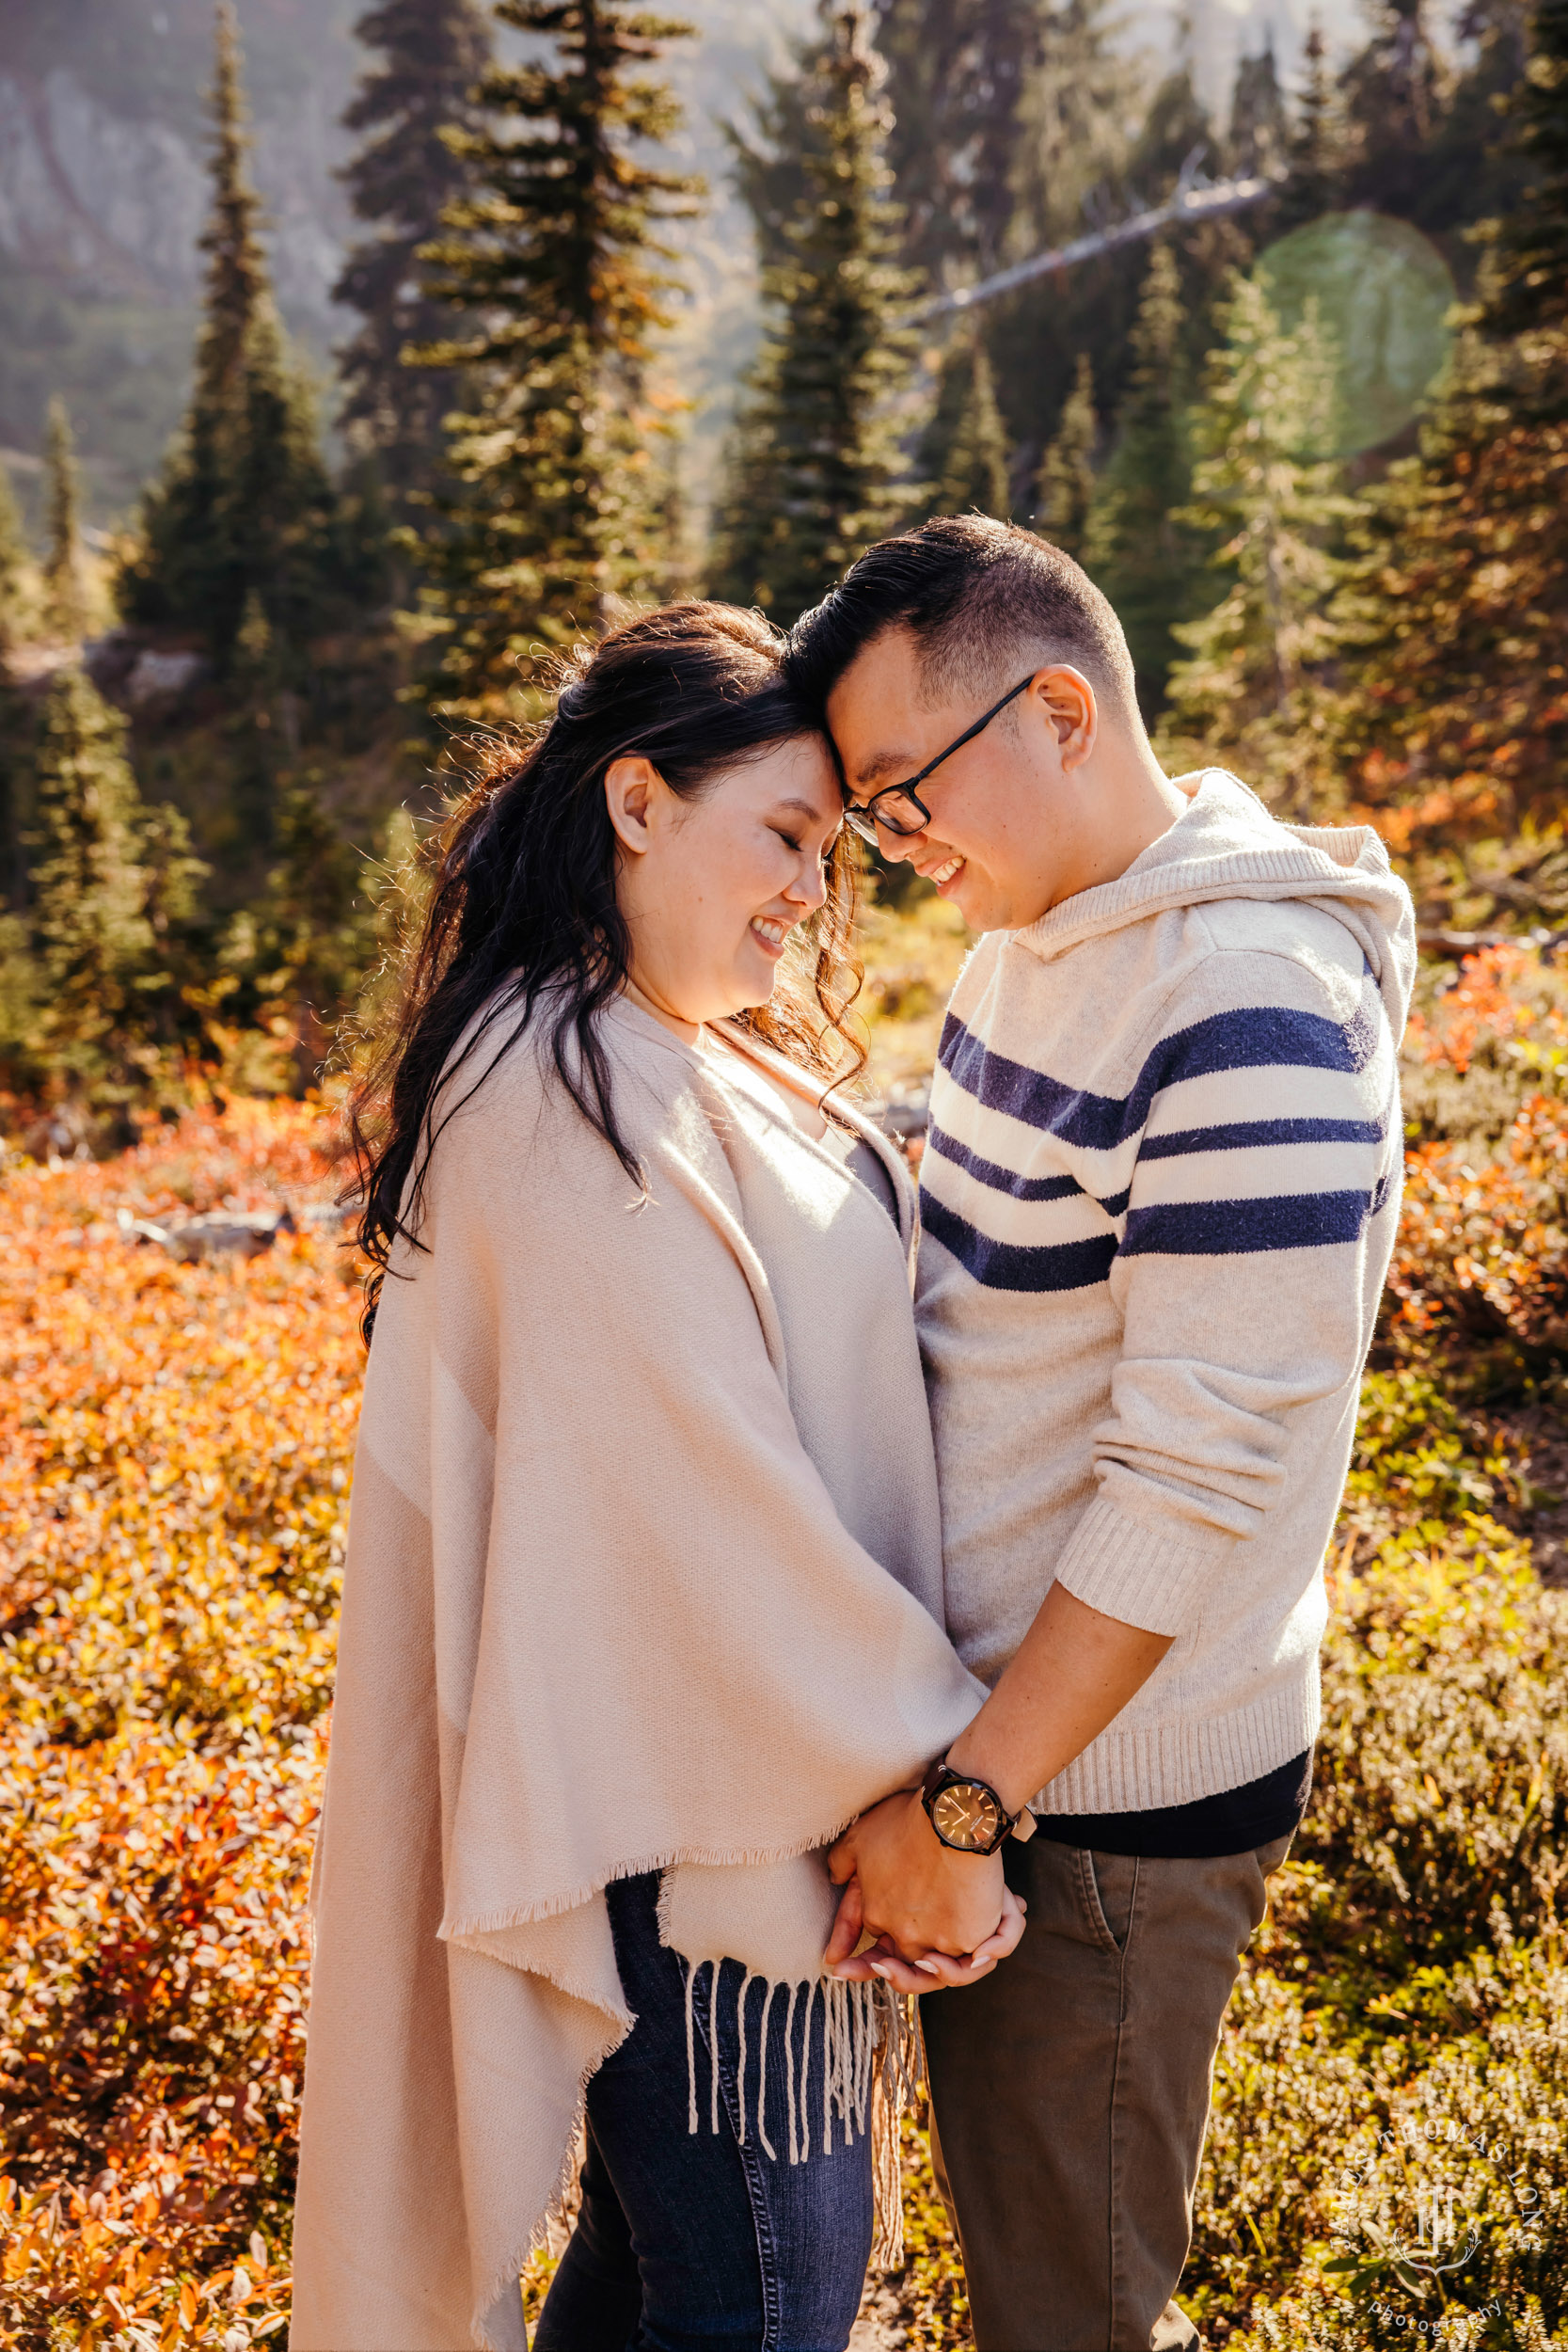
(754, 986)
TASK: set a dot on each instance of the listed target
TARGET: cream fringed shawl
(645, 1571)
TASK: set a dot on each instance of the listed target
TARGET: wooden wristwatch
(967, 1814)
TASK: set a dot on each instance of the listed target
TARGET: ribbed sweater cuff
(1146, 1573)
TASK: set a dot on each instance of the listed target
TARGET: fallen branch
(1188, 207)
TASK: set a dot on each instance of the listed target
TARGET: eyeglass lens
(901, 817)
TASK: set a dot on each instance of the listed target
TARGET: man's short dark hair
(982, 599)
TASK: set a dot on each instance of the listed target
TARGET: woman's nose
(809, 890)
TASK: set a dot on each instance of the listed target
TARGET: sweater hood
(1226, 844)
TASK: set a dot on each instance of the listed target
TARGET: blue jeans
(702, 2242)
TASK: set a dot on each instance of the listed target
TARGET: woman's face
(710, 888)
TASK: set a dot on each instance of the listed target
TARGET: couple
(730, 1652)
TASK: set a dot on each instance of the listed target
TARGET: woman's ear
(629, 787)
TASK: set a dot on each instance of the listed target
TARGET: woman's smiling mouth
(770, 932)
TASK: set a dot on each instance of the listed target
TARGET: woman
(643, 1592)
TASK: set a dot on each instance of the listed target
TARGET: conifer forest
(1283, 362)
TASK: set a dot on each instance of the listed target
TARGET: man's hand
(949, 1914)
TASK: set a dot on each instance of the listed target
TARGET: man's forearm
(1074, 1671)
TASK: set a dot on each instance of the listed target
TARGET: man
(1159, 1197)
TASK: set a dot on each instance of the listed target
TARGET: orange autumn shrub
(1479, 1285)
(153, 1958)
(1480, 1276)
(1482, 1040)
(1483, 1007)
(173, 1494)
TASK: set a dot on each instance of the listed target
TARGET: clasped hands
(938, 1917)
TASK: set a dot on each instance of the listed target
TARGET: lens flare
(1385, 294)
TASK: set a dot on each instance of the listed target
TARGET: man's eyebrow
(882, 763)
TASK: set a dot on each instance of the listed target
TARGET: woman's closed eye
(799, 848)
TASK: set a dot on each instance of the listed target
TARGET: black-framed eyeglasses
(899, 808)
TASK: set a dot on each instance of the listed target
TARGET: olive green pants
(1071, 2092)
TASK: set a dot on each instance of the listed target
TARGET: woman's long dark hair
(523, 899)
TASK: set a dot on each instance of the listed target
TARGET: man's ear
(629, 787)
(1068, 701)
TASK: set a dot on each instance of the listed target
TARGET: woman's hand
(936, 1917)
(936, 1970)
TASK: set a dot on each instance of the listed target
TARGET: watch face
(966, 1816)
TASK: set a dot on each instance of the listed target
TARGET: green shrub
(1411, 1974)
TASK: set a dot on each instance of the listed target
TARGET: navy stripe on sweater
(1244, 1134)
(1233, 1229)
(1262, 1037)
(1007, 1180)
(1001, 1265)
(1245, 1224)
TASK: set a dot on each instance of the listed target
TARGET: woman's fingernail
(878, 1970)
(928, 1967)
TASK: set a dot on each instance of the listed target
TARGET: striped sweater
(1159, 1197)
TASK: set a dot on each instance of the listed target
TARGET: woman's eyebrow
(806, 808)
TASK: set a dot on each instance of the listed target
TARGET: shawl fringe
(873, 2062)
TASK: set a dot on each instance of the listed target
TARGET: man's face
(990, 844)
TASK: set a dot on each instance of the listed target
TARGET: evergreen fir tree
(91, 936)
(17, 743)
(20, 990)
(172, 877)
(114, 914)
(964, 451)
(1462, 603)
(1395, 92)
(556, 260)
(958, 71)
(770, 150)
(1528, 293)
(1078, 113)
(1176, 130)
(1316, 150)
(1470, 173)
(258, 736)
(244, 503)
(15, 568)
(312, 939)
(1461, 607)
(816, 471)
(1259, 123)
(21, 984)
(1066, 488)
(1248, 685)
(64, 585)
(1085, 100)
(432, 55)
(1151, 564)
